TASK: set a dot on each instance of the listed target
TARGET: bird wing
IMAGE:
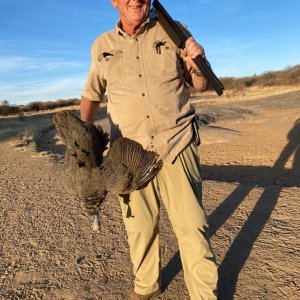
(129, 166)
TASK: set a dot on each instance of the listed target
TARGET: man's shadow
(292, 147)
(240, 249)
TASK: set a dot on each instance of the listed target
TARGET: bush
(288, 76)
(6, 110)
(49, 105)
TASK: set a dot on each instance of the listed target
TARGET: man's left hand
(192, 49)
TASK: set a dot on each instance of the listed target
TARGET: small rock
(80, 259)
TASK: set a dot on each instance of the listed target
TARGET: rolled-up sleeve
(95, 85)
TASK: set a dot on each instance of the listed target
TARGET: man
(146, 76)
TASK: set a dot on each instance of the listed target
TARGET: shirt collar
(141, 30)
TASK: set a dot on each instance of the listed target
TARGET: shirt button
(137, 57)
(140, 75)
(147, 116)
(143, 94)
(152, 137)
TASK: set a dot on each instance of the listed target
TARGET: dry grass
(26, 128)
(259, 91)
(236, 95)
(39, 106)
(255, 87)
(286, 77)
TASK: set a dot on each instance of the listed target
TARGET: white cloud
(23, 63)
(30, 91)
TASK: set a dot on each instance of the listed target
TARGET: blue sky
(45, 44)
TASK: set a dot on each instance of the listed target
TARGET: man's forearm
(199, 82)
(88, 110)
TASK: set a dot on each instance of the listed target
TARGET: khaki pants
(179, 187)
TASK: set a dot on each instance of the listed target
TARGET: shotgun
(179, 37)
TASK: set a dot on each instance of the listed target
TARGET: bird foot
(96, 224)
(96, 228)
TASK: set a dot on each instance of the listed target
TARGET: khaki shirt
(144, 77)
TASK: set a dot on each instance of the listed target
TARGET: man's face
(132, 12)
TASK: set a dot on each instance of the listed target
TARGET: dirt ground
(251, 171)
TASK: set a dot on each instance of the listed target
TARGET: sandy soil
(251, 171)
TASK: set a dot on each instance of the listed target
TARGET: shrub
(288, 76)
(6, 110)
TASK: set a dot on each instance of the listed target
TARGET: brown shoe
(135, 296)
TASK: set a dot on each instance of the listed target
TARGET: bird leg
(96, 224)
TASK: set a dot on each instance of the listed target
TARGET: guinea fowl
(87, 178)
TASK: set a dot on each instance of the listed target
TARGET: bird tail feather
(142, 164)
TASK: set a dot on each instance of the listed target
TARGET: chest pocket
(166, 58)
(112, 65)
